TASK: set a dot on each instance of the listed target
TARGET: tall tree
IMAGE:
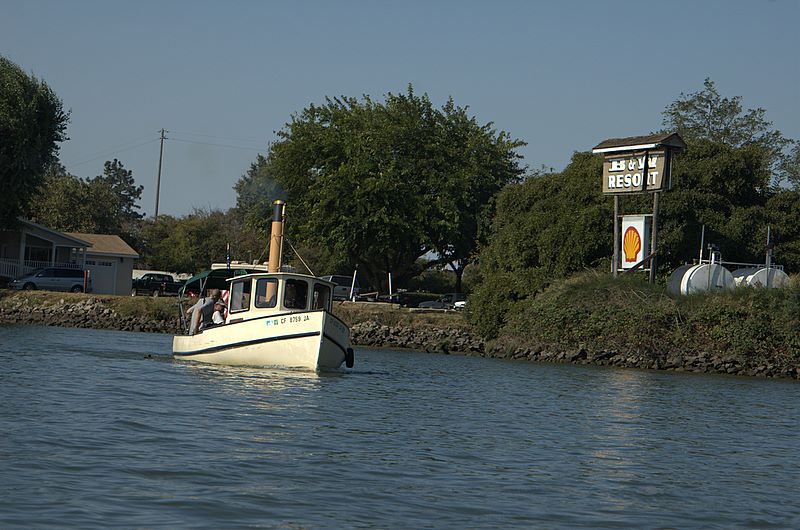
(120, 182)
(707, 115)
(62, 202)
(255, 192)
(475, 163)
(105, 204)
(32, 123)
(379, 184)
(191, 243)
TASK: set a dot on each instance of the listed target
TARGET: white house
(33, 246)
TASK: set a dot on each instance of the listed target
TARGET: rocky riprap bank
(461, 342)
(92, 313)
(704, 362)
(371, 333)
(88, 313)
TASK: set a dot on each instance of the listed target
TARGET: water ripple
(103, 429)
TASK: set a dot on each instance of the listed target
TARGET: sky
(222, 77)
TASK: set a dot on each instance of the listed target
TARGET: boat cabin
(261, 294)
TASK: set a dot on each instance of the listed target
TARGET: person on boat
(219, 313)
(203, 311)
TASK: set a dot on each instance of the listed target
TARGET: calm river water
(104, 429)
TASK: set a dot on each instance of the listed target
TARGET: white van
(53, 279)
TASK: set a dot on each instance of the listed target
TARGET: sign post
(634, 165)
(615, 261)
(654, 239)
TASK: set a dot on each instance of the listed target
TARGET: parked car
(156, 284)
(414, 298)
(447, 301)
(53, 279)
(460, 305)
(341, 291)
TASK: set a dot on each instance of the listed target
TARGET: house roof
(60, 238)
(640, 142)
(106, 244)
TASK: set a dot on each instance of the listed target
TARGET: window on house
(37, 254)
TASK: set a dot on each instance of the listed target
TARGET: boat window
(295, 295)
(240, 296)
(266, 292)
(322, 297)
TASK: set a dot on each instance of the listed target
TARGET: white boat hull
(311, 340)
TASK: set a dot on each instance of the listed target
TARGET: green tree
(720, 187)
(32, 123)
(706, 115)
(790, 165)
(546, 227)
(62, 202)
(255, 192)
(192, 243)
(475, 163)
(782, 215)
(105, 204)
(379, 184)
(120, 183)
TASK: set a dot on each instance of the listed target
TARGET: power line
(107, 152)
(219, 137)
(126, 144)
(256, 149)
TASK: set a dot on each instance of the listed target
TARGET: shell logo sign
(631, 244)
(635, 239)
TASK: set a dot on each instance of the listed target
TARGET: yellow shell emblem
(631, 244)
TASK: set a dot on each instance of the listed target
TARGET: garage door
(104, 275)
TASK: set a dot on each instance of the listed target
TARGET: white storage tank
(762, 277)
(674, 282)
(706, 277)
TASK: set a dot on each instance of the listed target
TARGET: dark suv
(52, 279)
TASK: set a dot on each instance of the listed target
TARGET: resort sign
(635, 172)
(638, 164)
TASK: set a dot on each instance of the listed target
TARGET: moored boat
(273, 318)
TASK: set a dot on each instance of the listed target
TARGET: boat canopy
(213, 279)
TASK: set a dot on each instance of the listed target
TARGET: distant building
(34, 246)
(111, 261)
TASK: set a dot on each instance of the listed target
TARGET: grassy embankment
(626, 314)
(592, 311)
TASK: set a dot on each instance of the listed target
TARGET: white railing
(10, 267)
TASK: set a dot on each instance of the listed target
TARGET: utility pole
(158, 179)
